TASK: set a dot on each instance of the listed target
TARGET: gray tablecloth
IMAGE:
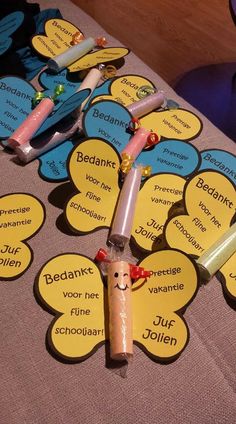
(36, 388)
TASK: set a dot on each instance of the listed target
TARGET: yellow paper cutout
(179, 124)
(124, 89)
(93, 207)
(21, 216)
(15, 258)
(156, 325)
(162, 343)
(94, 169)
(71, 286)
(100, 56)
(210, 201)
(58, 37)
(158, 194)
(229, 272)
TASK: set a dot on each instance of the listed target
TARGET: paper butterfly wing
(67, 107)
(8, 25)
(21, 217)
(158, 325)
(71, 287)
(94, 169)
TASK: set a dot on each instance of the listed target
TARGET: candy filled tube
(120, 310)
(57, 63)
(124, 213)
(29, 151)
(136, 143)
(218, 254)
(90, 81)
(43, 143)
(32, 123)
(146, 105)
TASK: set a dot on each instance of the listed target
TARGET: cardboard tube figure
(120, 310)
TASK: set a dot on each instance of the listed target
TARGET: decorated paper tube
(31, 150)
(57, 63)
(218, 254)
(27, 129)
(90, 81)
(133, 148)
(124, 213)
(120, 310)
(32, 123)
(43, 143)
(147, 104)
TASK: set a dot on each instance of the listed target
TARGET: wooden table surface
(170, 36)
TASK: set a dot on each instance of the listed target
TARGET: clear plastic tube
(147, 104)
(57, 63)
(43, 143)
(31, 150)
(218, 254)
(124, 214)
(136, 143)
(32, 123)
(90, 81)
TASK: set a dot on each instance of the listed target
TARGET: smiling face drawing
(120, 310)
(123, 280)
(119, 279)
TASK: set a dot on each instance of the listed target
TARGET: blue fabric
(30, 60)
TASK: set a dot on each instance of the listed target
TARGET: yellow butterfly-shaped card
(58, 38)
(21, 216)
(71, 286)
(209, 210)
